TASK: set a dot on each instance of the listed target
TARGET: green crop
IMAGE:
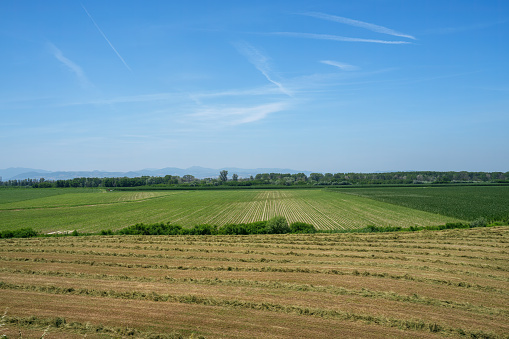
(92, 210)
(462, 202)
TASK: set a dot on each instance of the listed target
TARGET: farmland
(92, 210)
(463, 202)
(427, 284)
(451, 283)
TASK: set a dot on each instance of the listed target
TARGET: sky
(326, 86)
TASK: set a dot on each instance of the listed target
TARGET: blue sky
(328, 86)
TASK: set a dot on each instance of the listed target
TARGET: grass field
(92, 210)
(452, 283)
(463, 202)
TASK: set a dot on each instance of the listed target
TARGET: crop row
(462, 202)
(95, 210)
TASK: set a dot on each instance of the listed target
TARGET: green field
(91, 210)
(463, 202)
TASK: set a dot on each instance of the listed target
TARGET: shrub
(204, 229)
(277, 225)
(479, 222)
(258, 227)
(151, 229)
(234, 229)
(373, 228)
(20, 233)
(58, 322)
(302, 227)
(453, 225)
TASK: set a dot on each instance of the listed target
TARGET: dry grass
(426, 284)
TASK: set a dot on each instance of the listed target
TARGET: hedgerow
(480, 222)
(276, 225)
(20, 233)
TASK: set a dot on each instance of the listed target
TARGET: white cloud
(237, 115)
(357, 23)
(340, 65)
(261, 62)
(57, 53)
(337, 38)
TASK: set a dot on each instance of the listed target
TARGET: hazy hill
(19, 173)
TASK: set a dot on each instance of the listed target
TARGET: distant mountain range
(18, 173)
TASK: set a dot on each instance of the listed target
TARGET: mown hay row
(421, 284)
(380, 320)
(332, 290)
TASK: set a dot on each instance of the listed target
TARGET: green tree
(235, 177)
(223, 175)
(277, 225)
(302, 227)
(188, 178)
(316, 177)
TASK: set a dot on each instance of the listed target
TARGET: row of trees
(277, 179)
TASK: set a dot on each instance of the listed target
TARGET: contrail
(104, 36)
(357, 23)
(336, 38)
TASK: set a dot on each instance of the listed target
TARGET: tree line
(273, 179)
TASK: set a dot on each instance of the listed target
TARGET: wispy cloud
(57, 53)
(238, 115)
(336, 38)
(107, 40)
(357, 23)
(173, 97)
(340, 65)
(261, 62)
(258, 91)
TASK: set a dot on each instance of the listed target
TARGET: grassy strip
(332, 290)
(411, 324)
(161, 256)
(61, 324)
(322, 255)
(337, 244)
(405, 277)
(300, 262)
